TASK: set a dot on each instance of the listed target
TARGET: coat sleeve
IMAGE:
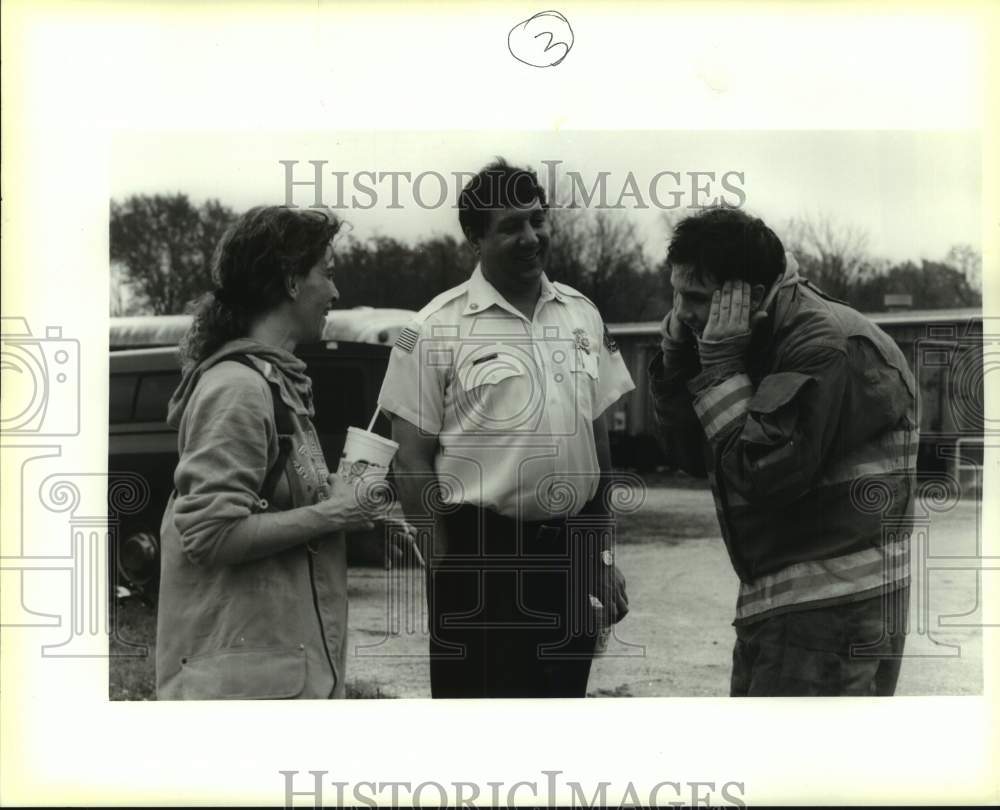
(770, 444)
(228, 442)
(680, 433)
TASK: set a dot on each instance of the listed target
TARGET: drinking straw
(413, 540)
(416, 550)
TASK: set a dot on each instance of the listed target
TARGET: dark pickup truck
(144, 372)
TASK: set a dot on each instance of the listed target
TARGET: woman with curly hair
(253, 593)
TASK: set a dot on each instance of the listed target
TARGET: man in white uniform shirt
(497, 394)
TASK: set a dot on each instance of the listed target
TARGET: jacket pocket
(773, 415)
(260, 673)
(777, 390)
(891, 360)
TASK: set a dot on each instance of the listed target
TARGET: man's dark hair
(727, 244)
(495, 187)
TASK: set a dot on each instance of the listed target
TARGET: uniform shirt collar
(482, 295)
(550, 291)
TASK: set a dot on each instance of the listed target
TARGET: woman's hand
(343, 508)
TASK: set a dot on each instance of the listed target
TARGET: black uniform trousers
(509, 608)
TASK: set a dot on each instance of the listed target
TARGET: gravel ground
(676, 640)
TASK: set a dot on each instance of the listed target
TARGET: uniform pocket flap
(258, 673)
(488, 369)
(777, 390)
(586, 362)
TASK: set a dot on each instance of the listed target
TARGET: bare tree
(165, 243)
(122, 299)
(831, 254)
(969, 262)
(669, 221)
(600, 253)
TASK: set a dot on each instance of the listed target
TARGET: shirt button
(473, 306)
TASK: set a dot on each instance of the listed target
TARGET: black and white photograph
(730, 514)
(514, 415)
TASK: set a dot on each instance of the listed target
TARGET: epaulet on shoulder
(565, 289)
(439, 301)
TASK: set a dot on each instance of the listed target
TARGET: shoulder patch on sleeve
(407, 340)
(609, 342)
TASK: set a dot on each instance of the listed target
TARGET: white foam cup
(365, 455)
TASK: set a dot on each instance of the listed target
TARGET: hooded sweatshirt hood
(278, 366)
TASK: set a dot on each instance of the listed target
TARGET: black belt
(491, 519)
(537, 537)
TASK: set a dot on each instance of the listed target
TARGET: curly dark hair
(256, 254)
(496, 186)
(728, 244)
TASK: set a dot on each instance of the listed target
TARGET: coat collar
(790, 277)
(776, 305)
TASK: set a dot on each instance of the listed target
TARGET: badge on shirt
(582, 340)
(609, 342)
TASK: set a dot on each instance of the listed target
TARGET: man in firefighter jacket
(802, 413)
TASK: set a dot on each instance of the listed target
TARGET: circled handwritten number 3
(525, 39)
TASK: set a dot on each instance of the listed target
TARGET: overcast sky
(915, 193)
